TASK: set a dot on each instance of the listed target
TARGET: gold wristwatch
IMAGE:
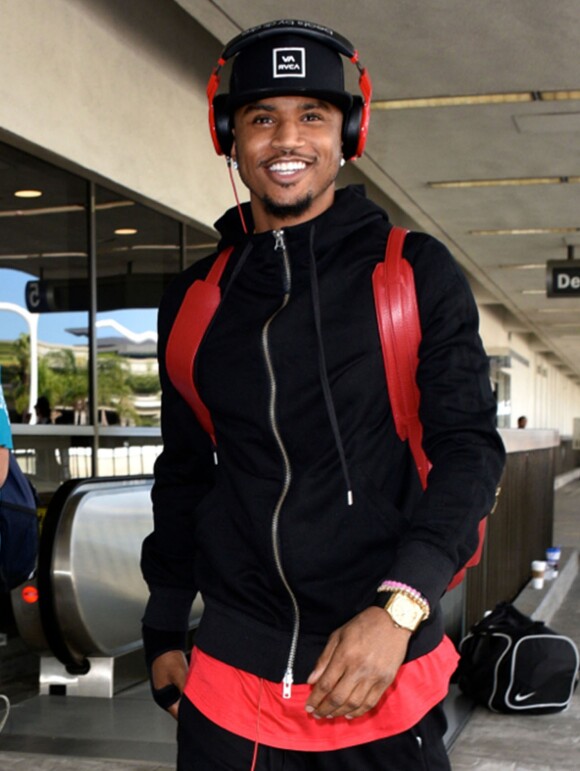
(407, 612)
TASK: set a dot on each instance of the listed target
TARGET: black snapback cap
(288, 65)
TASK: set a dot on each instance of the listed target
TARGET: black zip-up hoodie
(292, 374)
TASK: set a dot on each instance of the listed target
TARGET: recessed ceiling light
(41, 211)
(559, 96)
(507, 182)
(522, 231)
(125, 231)
(524, 266)
(534, 291)
(470, 100)
(559, 310)
(209, 245)
(113, 205)
(467, 100)
(28, 193)
(146, 248)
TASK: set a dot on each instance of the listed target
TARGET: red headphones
(356, 119)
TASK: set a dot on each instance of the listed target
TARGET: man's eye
(262, 119)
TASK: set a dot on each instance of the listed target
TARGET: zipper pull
(280, 246)
(287, 684)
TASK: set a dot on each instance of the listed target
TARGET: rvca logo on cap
(289, 62)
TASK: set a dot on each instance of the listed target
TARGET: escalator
(82, 612)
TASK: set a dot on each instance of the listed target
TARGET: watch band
(405, 605)
(397, 586)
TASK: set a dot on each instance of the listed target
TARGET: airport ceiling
(527, 50)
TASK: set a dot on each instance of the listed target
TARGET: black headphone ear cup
(351, 127)
(223, 126)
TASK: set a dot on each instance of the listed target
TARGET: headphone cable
(238, 204)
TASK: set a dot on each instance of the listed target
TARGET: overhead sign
(137, 290)
(563, 278)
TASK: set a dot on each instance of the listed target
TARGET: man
(312, 522)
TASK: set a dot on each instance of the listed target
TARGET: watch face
(404, 611)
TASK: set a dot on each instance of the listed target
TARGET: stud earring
(342, 162)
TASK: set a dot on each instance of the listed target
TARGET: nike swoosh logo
(523, 696)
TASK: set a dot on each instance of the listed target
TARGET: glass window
(45, 320)
(138, 253)
(43, 304)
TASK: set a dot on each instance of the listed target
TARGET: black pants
(203, 746)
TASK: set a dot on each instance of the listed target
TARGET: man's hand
(359, 662)
(170, 669)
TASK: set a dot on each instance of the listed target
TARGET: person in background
(43, 411)
(522, 421)
(80, 414)
(320, 560)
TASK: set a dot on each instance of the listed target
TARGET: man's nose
(288, 135)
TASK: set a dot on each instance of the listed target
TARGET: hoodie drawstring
(328, 400)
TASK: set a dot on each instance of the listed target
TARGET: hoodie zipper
(280, 246)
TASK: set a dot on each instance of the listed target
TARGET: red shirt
(252, 707)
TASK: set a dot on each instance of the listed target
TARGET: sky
(52, 326)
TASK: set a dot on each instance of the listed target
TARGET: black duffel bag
(511, 663)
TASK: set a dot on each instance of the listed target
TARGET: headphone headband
(355, 121)
(309, 29)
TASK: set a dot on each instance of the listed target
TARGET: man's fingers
(349, 695)
(359, 663)
(364, 702)
(325, 695)
(168, 676)
(323, 660)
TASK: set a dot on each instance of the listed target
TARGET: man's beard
(285, 211)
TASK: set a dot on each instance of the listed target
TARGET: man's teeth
(288, 167)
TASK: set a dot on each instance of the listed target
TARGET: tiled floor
(18, 762)
(129, 733)
(130, 730)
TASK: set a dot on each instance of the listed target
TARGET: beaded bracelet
(397, 586)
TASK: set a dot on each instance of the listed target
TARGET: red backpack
(400, 333)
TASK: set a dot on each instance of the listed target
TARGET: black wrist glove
(167, 696)
(157, 642)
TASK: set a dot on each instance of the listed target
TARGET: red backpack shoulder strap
(195, 313)
(400, 334)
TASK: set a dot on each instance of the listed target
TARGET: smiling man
(283, 493)
(291, 156)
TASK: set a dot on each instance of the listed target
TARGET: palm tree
(114, 389)
(63, 378)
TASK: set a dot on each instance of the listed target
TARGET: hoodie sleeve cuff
(425, 568)
(156, 642)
